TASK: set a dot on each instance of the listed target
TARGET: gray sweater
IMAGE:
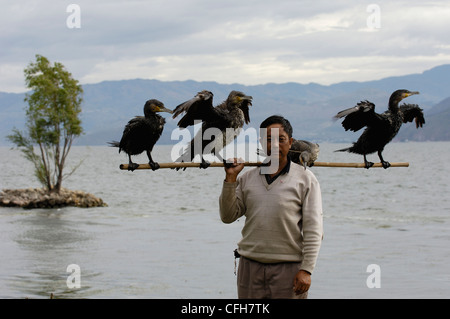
(283, 219)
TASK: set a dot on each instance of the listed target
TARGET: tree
(52, 120)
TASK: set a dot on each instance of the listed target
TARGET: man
(283, 228)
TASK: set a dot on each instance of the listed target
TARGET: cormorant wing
(131, 128)
(363, 114)
(412, 112)
(199, 107)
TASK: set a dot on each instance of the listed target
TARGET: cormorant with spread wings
(380, 128)
(225, 121)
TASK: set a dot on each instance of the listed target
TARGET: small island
(53, 122)
(40, 198)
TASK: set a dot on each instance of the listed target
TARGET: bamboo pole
(220, 164)
(357, 165)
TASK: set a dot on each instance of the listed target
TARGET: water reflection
(50, 242)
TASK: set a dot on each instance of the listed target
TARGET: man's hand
(233, 171)
(302, 282)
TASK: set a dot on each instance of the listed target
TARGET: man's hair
(278, 119)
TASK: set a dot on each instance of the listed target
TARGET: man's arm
(312, 236)
(231, 207)
(312, 226)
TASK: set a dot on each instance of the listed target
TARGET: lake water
(161, 235)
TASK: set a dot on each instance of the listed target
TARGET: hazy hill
(109, 105)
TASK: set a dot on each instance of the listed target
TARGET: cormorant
(230, 114)
(142, 132)
(301, 152)
(304, 152)
(380, 128)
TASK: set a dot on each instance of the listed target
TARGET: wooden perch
(357, 165)
(220, 164)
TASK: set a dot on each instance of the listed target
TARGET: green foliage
(54, 105)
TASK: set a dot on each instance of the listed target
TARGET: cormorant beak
(304, 164)
(303, 160)
(164, 109)
(410, 93)
(246, 98)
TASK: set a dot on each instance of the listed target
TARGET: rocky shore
(40, 198)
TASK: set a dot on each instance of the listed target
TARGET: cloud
(232, 41)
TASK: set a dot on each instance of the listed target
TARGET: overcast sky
(227, 41)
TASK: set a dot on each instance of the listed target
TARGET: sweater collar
(285, 170)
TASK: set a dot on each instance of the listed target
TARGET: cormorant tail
(114, 144)
(343, 150)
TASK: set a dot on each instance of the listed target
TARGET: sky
(234, 41)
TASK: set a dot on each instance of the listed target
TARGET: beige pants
(271, 281)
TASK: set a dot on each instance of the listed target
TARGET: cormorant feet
(154, 166)
(385, 164)
(204, 164)
(132, 166)
(178, 168)
(368, 164)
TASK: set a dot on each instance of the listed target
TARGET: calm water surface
(161, 235)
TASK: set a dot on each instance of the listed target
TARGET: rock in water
(40, 198)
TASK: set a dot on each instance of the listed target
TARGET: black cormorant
(303, 152)
(380, 128)
(142, 132)
(228, 118)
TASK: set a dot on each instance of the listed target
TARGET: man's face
(283, 141)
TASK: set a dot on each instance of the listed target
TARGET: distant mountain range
(310, 107)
